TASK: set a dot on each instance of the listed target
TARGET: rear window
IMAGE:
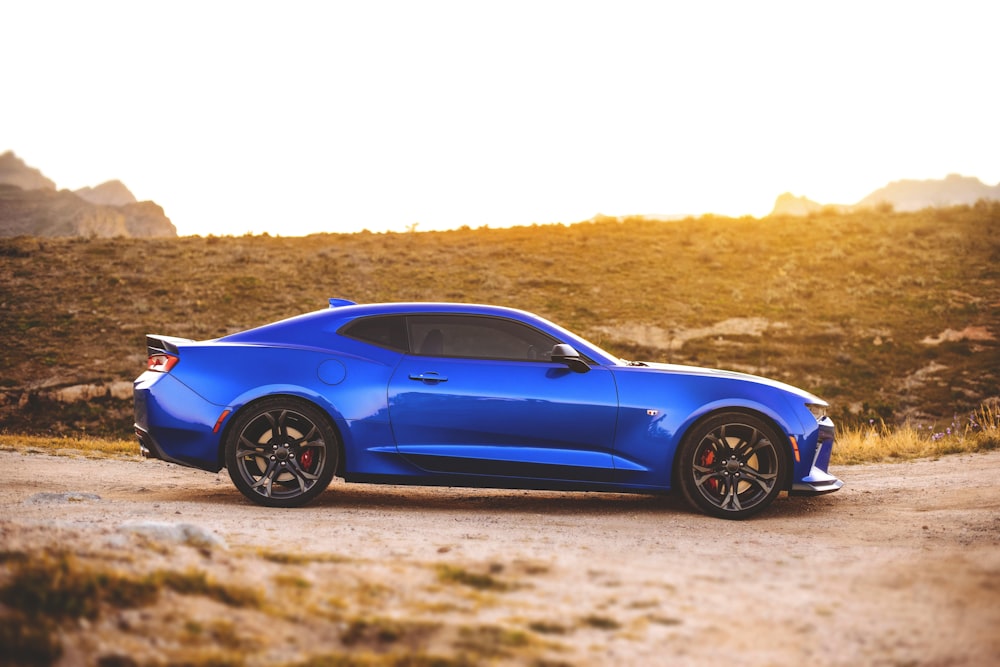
(384, 330)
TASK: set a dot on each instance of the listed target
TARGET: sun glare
(342, 117)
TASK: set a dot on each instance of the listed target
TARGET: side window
(478, 337)
(385, 331)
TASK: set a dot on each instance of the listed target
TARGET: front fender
(656, 410)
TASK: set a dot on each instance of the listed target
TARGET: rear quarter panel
(350, 388)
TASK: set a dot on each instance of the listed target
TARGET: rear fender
(248, 400)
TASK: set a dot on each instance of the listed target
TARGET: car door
(480, 395)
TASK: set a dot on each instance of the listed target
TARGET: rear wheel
(732, 465)
(281, 452)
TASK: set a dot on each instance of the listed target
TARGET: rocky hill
(904, 195)
(112, 193)
(911, 195)
(14, 171)
(30, 205)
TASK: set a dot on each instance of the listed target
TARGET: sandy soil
(901, 567)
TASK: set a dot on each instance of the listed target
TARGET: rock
(146, 219)
(120, 389)
(178, 533)
(50, 498)
(100, 221)
(789, 204)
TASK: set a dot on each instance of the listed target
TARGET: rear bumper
(174, 424)
(150, 449)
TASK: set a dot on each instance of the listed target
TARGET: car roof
(412, 307)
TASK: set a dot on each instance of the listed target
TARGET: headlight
(819, 410)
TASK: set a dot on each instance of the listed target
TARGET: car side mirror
(566, 354)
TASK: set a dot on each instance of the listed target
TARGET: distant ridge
(14, 171)
(910, 195)
(30, 205)
(904, 195)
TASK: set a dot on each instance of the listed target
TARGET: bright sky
(297, 117)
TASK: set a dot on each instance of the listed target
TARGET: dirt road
(901, 567)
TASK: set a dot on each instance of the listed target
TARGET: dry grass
(49, 598)
(476, 580)
(855, 304)
(87, 446)
(47, 591)
(878, 442)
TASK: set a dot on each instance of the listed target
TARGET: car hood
(678, 369)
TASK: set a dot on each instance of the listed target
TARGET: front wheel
(281, 452)
(732, 465)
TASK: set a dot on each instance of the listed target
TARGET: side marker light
(225, 413)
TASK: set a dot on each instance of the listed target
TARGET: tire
(732, 465)
(281, 452)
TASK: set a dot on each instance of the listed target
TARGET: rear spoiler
(337, 303)
(164, 344)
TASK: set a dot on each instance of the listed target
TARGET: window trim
(344, 331)
(479, 316)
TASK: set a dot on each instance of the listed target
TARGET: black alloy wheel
(732, 465)
(281, 452)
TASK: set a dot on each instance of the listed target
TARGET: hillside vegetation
(890, 316)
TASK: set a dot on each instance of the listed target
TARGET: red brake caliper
(306, 458)
(707, 459)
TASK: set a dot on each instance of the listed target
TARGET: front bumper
(817, 487)
(819, 481)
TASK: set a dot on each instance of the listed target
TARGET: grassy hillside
(888, 315)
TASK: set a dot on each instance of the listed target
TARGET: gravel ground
(900, 567)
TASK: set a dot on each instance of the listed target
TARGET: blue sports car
(471, 395)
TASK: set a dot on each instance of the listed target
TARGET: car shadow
(573, 503)
(452, 499)
(360, 497)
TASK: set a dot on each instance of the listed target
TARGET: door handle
(428, 378)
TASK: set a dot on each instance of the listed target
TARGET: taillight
(161, 362)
